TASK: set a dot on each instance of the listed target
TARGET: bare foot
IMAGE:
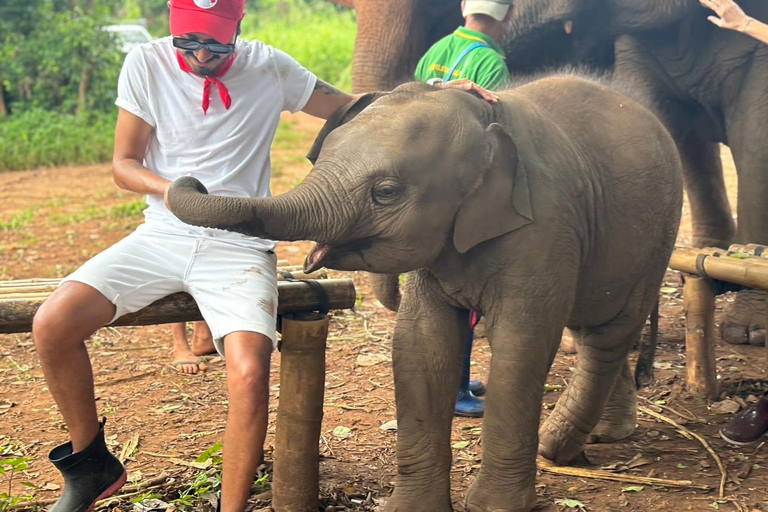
(202, 341)
(568, 341)
(189, 367)
(184, 361)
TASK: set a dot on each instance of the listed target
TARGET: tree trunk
(82, 90)
(3, 106)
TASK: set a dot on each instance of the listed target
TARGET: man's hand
(730, 14)
(165, 195)
(463, 84)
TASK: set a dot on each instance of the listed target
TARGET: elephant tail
(644, 366)
(386, 287)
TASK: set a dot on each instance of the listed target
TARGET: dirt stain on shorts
(268, 305)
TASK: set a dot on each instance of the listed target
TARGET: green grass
(318, 35)
(38, 138)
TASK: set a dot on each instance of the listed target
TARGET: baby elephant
(557, 206)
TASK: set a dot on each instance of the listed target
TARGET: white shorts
(234, 286)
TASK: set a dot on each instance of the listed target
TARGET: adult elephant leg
(603, 353)
(712, 220)
(428, 347)
(746, 321)
(523, 349)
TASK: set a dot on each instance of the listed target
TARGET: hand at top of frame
(730, 14)
(467, 85)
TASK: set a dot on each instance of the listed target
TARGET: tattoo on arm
(135, 164)
(327, 89)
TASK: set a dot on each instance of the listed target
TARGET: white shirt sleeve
(132, 86)
(296, 82)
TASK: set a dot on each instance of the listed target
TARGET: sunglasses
(192, 46)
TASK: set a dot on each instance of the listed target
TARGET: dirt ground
(161, 421)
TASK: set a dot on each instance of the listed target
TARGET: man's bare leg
(184, 360)
(202, 340)
(247, 355)
(66, 319)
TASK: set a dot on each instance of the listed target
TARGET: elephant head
(414, 173)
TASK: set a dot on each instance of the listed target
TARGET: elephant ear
(338, 118)
(500, 202)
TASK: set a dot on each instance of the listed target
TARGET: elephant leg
(747, 319)
(620, 414)
(428, 348)
(602, 357)
(522, 355)
(713, 224)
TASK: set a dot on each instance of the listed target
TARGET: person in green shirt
(472, 53)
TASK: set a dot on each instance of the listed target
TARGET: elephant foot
(619, 417)
(568, 341)
(397, 504)
(482, 499)
(559, 440)
(747, 319)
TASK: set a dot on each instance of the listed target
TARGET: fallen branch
(691, 435)
(599, 474)
(119, 380)
(668, 408)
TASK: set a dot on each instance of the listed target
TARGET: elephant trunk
(288, 217)
(386, 287)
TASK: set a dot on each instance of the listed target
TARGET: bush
(40, 138)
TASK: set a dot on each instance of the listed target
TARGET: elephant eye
(386, 192)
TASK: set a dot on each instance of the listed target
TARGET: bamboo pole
(16, 313)
(699, 305)
(48, 285)
(750, 272)
(295, 485)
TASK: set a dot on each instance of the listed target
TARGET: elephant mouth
(316, 257)
(349, 256)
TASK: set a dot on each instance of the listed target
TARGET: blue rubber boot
(467, 404)
(477, 387)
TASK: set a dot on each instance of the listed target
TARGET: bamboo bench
(708, 272)
(303, 303)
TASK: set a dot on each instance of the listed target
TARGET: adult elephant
(393, 34)
(557, 206)
(707, 85)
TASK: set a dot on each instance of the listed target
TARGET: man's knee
(248, 360)
(69, 315)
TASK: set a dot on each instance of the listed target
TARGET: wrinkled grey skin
(708, 87)
(557, 206)
(706, 83)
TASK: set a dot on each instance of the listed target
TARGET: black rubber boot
(89, 475)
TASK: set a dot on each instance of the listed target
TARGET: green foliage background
(48, 48)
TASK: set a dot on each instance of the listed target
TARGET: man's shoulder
(157, 49)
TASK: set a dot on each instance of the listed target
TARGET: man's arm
(131, 139)
(326, 99)
(731, 17)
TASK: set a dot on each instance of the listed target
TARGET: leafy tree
(55, 55)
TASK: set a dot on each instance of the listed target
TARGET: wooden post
(699, 304)
(295, 484)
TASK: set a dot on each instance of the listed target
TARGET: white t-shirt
(227, 150)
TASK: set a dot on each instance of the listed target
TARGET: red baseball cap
(215, 18)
